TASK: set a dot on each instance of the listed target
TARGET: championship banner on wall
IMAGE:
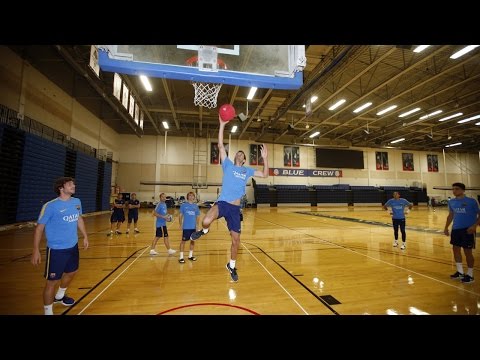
(304, 172)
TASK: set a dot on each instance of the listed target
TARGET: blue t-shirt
(398, 207)
(133, 211)
(161, 209)
(234, 180)
(61, 220)
(190, 213)
(464, 212)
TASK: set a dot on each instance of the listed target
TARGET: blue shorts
(132, 217)
(61, 261)
(460, 237)
(186, 234)
(117, 216)
(161, 231)
(231, 213)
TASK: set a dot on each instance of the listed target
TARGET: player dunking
(235, 177)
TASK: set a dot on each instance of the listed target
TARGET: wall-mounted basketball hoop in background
(207, 60)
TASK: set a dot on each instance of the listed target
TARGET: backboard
(261, 66)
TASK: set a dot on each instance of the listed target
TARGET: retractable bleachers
(33, 156)
(43, 161)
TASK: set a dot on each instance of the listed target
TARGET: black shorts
(61, 261)
(132, 217)
(117, 216)
(161, 231)
(187, 233)
(460, 237)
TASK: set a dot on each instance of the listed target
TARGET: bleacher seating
(333, 194)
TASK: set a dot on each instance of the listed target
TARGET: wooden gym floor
(292, 260)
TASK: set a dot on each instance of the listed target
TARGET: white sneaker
(171, 251)
(402, 247)
(395, 244)
(153, 252)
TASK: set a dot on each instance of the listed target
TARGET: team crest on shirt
(78, 207)
(52, 275)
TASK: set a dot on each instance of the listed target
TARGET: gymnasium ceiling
(383, 75)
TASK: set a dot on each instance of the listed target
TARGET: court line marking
(416, 238)
(269, 273)
(294, 277)
(208, 304)
(115, 279)
(370, 257)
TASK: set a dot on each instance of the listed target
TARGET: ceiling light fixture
(469, 119)
(364, 106)
(463, 51)
(390, 108)
(337, 104)
(409, 112)
(146, 83)
(420, 48)
(252, 92)
(430, 115)
(450, 117)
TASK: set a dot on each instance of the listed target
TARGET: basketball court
(292, 261)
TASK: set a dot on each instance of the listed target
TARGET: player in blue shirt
(161, 214)
(189, 213)
(465, 214)
(398, 205)
(60, 218)
(133, 206)
(235, 177)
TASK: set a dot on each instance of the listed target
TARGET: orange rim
(194, 59)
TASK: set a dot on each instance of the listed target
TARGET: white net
(206, 94)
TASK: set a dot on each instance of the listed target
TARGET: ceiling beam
(419, 122)
(413, 66)
(325, 70)
(93, 82)
(267, 95)
(139, 101)
(344, 86)
(170, 102)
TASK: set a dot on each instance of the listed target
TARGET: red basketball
(227, 112)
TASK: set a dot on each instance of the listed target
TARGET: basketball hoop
(206, 93)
